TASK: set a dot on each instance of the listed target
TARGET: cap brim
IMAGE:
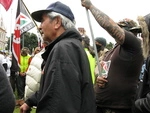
(136, 29)
(37, 15)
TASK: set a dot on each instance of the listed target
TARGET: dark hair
(87, 45)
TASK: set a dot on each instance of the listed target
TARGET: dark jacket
(66, 85)
(142, 104)
(7, 100)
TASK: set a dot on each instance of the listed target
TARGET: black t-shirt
(126, 62)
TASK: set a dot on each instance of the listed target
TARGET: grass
(17, 110)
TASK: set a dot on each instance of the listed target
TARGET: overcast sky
(116, 9)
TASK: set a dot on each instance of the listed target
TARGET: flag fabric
(23, 24)
(25, 21)
(6, 3)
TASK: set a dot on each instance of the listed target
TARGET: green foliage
(29, 40)
(109, 46)
(17, 108)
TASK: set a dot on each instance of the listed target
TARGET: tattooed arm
(105, 22)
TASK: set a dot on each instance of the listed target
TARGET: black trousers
(13, 80)
(20, 86)
(109, 110)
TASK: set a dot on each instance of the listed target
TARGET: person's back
(7, 99)
(90, 55)
(101, 50)
(33, 76)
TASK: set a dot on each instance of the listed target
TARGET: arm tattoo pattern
(108, 24)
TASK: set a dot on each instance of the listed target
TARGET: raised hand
(86, 3)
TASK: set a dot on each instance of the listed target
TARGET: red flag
(6, 3)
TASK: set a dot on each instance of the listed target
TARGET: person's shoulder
(38, 55)
(131, 39)
(131, 35)
(68, 42)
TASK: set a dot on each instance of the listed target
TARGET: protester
(101, 50)
(7, 64)
(7, 100)
(1, 56)
(115, 91)
(90, 53)
(101, 47)
(66, 84)
(142, 104)
(24, 63)
(36, 50)
(14, 74)
(33, 74)
(44, 45)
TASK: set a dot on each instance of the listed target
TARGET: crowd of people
(65, 77)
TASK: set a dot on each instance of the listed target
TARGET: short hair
(66, 23)
(86, 40)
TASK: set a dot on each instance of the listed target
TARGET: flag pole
(95, 49)
(10, 33)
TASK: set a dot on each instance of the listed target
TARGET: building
(3, 39)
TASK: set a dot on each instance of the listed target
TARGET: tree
(27, 40)
(110, 45)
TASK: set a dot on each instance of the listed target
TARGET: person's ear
(58, 22)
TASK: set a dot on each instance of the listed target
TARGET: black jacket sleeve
(143, 105)
(33, 100)
(7, 99)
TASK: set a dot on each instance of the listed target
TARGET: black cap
(101, 40)
(54, 7)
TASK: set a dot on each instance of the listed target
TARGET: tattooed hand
(86, 3)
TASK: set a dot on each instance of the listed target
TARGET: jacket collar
(70, 33)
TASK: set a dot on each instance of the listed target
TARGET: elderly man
(66, 84)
